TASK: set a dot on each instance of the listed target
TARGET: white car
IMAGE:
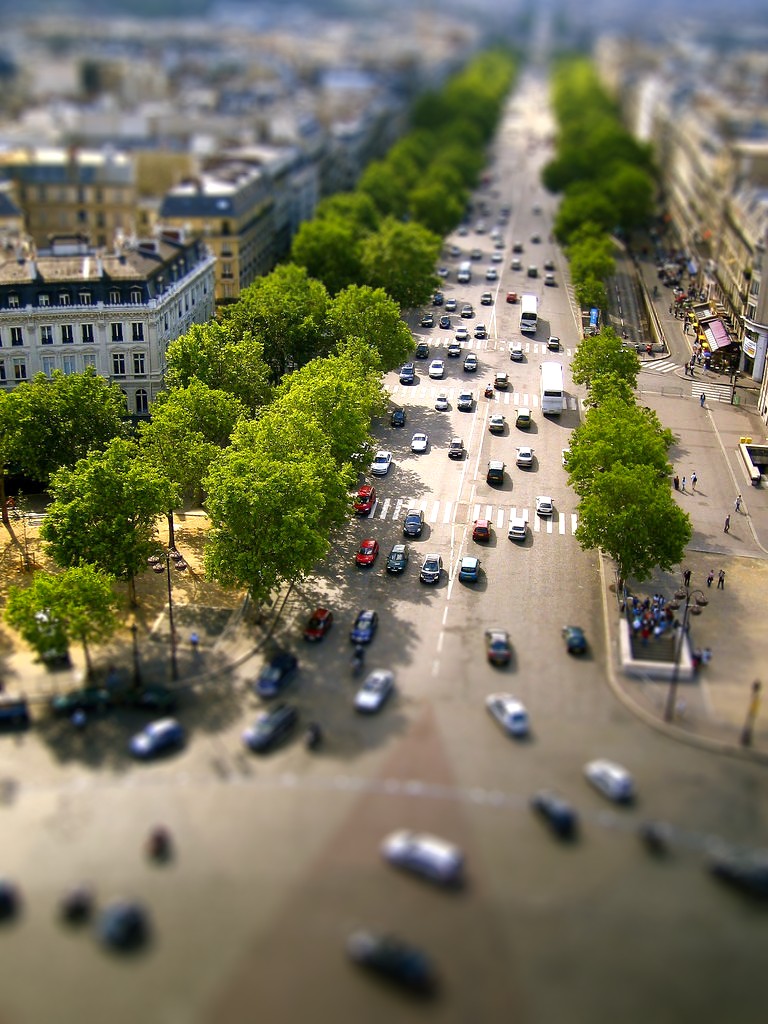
(518, 528)
(509, 712)
(377, 687)
(462, 334)
(491, 274)
(465, 401)
(496, 423)
(436, 369)
(441, 403)
(450, 305)
(381, 463)
(497, 257)
(525, 456)
(611, 779)
(425, 855)
(544, 505)
(419, 442)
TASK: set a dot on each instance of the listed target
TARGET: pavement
(711, 711)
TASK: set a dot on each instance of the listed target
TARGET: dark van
(14, 713)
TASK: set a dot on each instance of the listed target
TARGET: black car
(437, 299)
(397, 559)
(393, 959)
(456, 448)
(123, 925)
(14, 713)
(89, 698)
(150, 698)
(397, 419)
(413, 523)
(271, 727)
(445, 322)
(557, 812)
(276, 674)
(747, 872)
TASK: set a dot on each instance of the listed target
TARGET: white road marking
(435, 510)
(561, 523)
(447, 512)
(574, 522)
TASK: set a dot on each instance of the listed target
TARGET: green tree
(591, 293)
(53, 422)
(592, 258)
(606, 386)
(617, 432)
(381, 183)
(371, 315)
(635, 520)
(355, 207)
(632, 192)
(584, 203)
(328, 249)
(286, 310)
(604, 353)
(223, 359)
(56, 609)
(400, 258)
(436, 205)
(104, 511)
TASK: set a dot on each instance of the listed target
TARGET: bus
(464, 275)
(594, 321)
(529, 313)
(552, 394)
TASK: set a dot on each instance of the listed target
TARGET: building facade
(72, 307)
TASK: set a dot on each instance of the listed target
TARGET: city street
(278, 856)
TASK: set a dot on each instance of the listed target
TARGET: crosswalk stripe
(537, 524)
(433, 514)
(717, 392)
(398, 506)
(549, 524)
(447, 513)
(573, 522)
(561, 524)
(384, 508)
(500, 518)
(488, 512)
(476, 512)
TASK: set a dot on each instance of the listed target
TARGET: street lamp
(156, 561)
(136, 667)
(699, 600)
(754, 706)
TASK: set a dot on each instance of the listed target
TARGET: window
(49, 365)
(13, 301)
(136, 296)
(44, 299)
(89, 359)
(137, 331)
(19, 369)
(84, 298)
(226, 270)
(114, 297)
(142, 402)
(139, 368)
(67, 334)
(2, 370)
(17, 336)
(64, 299)
(46, 334)
(118, 364)
(68, 364)
(87, 333)
(117, 332)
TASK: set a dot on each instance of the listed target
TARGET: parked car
(365, 500)
(745, 871)
(556, 812)
(523, 419)
(276, 674)
(397, 961)
(397, 559)
(149, 697)
(14, 713)
(364, 627)
(158, 737)
(368, 552)
(509, 712)
(497, 423)
(88, 699)
(270, 727)
(469, 569)
(498, 648)
(320, 622)
(377, 687)
(518, 528)
(481, 530)
(611, 779)
(501, 381)
(413, 523)
(456, 448)
(123, 925)
(398, 418)
(431, 568)
(575, 640)
(426, 855)
(381, 462)
(495, 474)
(419, 442)
(524, 457)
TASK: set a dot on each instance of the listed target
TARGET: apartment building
(72, 306)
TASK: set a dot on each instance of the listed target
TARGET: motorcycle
(313, 737)
(358, 661)
(489, 391)
(159, 843)
(655, 837)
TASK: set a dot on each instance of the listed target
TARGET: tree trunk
(88, 663)
(132, 591)
(3, 504)
(171, 531)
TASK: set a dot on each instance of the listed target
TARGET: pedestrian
(676, 482)
(701, 399)
(671, 308)
(727, 524)
(194, 639)
(721, 580)
(682, 485)
(710, 577)
(687, 577)
(694, 480)
(737, 504)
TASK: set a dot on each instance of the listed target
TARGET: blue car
(276, 674)
(158, 737)
(365, 626)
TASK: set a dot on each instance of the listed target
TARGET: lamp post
(136, 666)
(754, 707)
(699, 599)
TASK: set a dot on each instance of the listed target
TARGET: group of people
(650, 617)
(682, 485)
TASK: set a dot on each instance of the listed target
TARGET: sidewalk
(712, 710)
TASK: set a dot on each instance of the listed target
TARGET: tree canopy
(604, 353)
(372, 316)
(400, 258)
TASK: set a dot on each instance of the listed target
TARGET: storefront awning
(716, 335)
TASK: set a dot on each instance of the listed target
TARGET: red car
(365, 500)
(368, 552)
(481, 530)
(319, 623)
(511, 296)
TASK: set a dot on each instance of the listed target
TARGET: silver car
(611, 779)
(377, 687)
(425, 854)
(509, 712)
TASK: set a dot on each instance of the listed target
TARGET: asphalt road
(277, 857)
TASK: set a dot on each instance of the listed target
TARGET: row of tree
(618, 465)
(606, 177)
